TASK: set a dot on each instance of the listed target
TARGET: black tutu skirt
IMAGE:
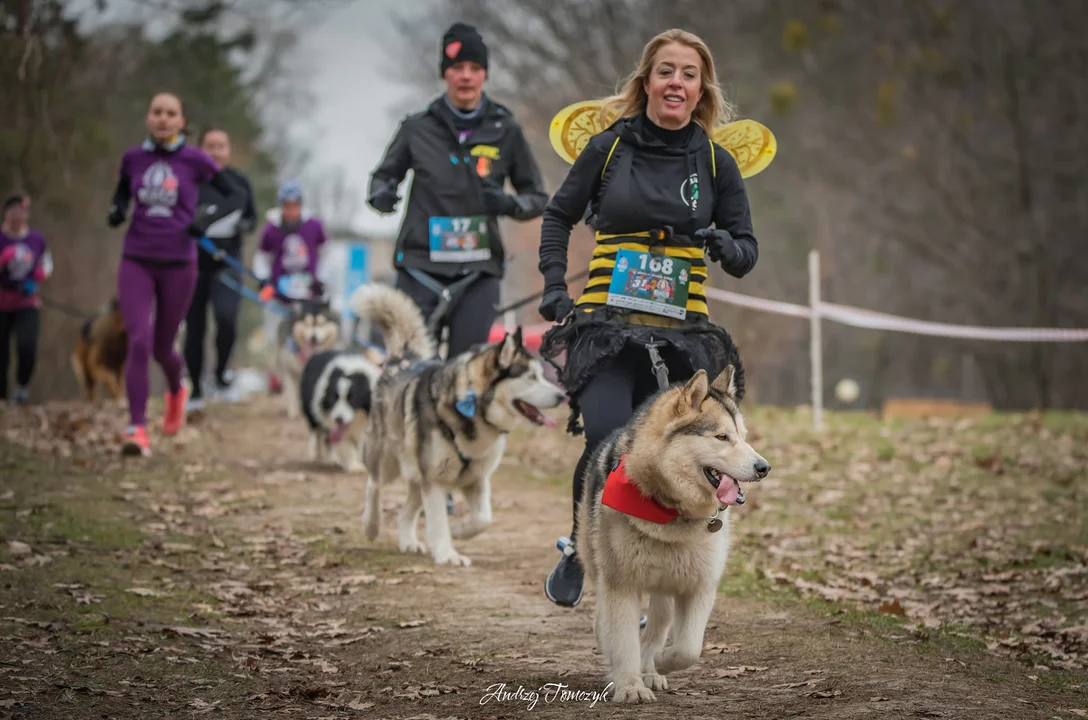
(590, 340)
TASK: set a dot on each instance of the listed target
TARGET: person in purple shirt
(291, 246)
(289, 260)
(24, 262)
(162, 177)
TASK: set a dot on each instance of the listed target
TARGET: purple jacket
(293, 252)
(28, 254)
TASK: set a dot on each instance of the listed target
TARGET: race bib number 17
(459, 239)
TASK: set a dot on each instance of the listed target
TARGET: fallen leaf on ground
(824, 693)
(893, 608)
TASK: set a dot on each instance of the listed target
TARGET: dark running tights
(224, 302)
(610, 399)
(23, 326)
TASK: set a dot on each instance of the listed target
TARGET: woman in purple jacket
(159, 260)
(24, 262)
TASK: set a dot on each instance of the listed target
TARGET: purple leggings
(152, 333)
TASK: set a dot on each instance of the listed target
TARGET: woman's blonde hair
(712, 110)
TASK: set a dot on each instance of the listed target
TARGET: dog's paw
(672, 660)
(452, 558)
(634, 693)
(413, 546)
(463, 529)
(655, 681)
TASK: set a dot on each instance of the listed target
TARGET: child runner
(288, 259)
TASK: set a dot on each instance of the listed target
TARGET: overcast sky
(356, 96)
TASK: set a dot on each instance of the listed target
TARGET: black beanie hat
(462, 43)
(16, 198)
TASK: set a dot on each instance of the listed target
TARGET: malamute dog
(653, 518)
(335, 391)
(442, 425)
(311, 327)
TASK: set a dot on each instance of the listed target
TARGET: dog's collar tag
(467, 405)
(714, 523)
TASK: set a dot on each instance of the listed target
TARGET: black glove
(205, 216)
(496, 200)
(720, 246)
(383, 196)
(556, 304)
(116, 216)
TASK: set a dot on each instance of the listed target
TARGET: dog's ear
(726, 382)
(692, 394)
(508, 350)
(518, 338)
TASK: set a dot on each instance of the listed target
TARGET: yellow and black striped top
(595, 294)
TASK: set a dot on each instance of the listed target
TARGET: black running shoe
(564, 585)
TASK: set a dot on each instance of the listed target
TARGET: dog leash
(250, 295)
(221, 255)
(500, 309)
(63, 308)
(448, 295)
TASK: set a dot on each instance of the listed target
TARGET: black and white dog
(335, 393)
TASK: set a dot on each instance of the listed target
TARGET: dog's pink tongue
(337, 433)
(548, 422)
(727, 491)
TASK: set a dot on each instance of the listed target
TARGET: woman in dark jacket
(449, 255)
(654, 183)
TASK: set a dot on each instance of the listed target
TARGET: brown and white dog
(101, 352)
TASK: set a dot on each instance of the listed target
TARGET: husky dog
(442, 424)
(654, 519)
(335, 391)
(311, 327)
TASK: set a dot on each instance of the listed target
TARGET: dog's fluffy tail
(398, 318)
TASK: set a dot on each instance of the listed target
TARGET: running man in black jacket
(227, 234)
(462, 149)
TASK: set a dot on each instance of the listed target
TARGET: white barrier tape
(772, 306)
(858, 317)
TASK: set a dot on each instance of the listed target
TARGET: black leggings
(610, 399)
(473, 313)
(224, 302)
(25, 326)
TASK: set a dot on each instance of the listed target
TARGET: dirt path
(256, 596)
